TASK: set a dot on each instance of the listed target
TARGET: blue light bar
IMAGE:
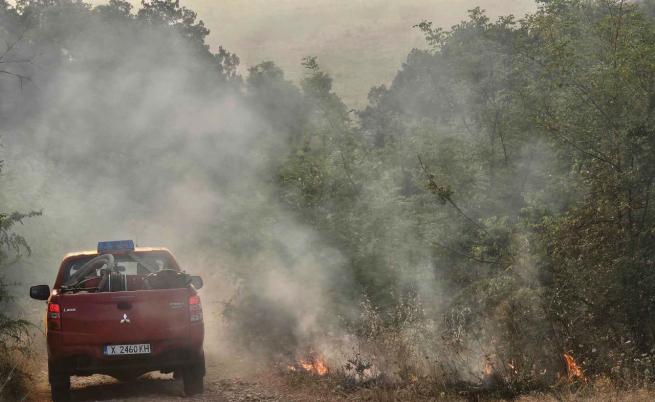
(116, 245)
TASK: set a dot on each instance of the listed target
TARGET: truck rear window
(127, 264)
(122, 272)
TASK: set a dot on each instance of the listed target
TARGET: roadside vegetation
(483, 228)
(14, 332)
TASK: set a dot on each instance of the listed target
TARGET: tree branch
(444, 194)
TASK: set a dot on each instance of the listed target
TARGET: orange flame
(572, 369)
(488, 369)
(314, 365)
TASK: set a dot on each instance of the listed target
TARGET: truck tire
(127, 376)
(193, 377)
(193, 385)
(60, 384)
(60, 393)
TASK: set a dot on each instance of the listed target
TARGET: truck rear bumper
(89, 364)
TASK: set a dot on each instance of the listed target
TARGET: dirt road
(221, 384)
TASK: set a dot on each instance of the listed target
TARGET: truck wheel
(127, 376)
(193, 385)
(193, 377)
(60, 393)
(60, 384)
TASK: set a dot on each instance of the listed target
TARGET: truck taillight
(54, 316)
(195, 308)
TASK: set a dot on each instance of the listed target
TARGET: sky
(361, 43)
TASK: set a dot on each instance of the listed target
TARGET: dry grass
(617, 395)
(14, 377)
(299, 387)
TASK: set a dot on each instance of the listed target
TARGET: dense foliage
(492, 202)
(14, 332)
(508, 170)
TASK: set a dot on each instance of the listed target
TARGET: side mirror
(40, 292)
(196, 281)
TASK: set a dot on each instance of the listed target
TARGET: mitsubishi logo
(125, 320)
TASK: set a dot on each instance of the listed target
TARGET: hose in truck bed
(105, 259)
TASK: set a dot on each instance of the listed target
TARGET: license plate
(137, 349)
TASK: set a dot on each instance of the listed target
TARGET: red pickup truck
(123, 311)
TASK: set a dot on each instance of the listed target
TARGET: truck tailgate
(125, 317)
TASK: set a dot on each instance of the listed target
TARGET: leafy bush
(14, 332)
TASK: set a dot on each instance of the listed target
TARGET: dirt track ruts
(162, 388)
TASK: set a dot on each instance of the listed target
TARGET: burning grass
(364, 376)
(573, 370)
(313, 364)
(413, 357)
(390, 366)
(335, 387)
